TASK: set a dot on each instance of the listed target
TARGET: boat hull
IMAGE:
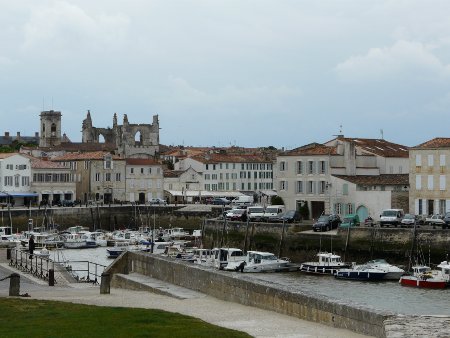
(360, 275)
(322, 269)
(423, 283)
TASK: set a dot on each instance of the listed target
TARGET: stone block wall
(239, 288)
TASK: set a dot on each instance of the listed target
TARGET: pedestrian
(31, 246)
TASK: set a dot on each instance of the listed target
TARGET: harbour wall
(241, 288)
(295, 241)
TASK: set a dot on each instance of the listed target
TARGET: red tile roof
(311, 149)
(379, 147)
(438, 142)
(173, 173)
(226, 158)
(385, 179)
(37, 163)
(95, 155)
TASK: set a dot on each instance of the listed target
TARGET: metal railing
(33, 264)
(38, 266)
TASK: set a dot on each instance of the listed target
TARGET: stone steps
(136, 281)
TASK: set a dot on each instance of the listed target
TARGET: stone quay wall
(240, 288)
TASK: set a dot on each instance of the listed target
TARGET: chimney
(6, 133)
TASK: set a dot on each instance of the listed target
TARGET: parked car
(327, 222)
(408, 221)
(237, 215)
(435, 220)
(289, 216)
(220, 201)
(157, 201)
(350, 220)
(446, 224)
(66, 203)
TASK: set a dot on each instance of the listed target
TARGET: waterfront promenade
(254, 321)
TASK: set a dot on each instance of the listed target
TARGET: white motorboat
(223, 256)
(392, 272)
(328, 263)
(362, 273)
(258, 261)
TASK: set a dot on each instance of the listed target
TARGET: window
(16, 180)
(117, 177)
(108, 177)
(282, 166)
(323, 167)
(132, 170)
(299, 167)
(142, 170)
(338, 208)
(430, 160)
(283, 185)
(430, 182)
(97, 177)
(86, 165)
(345, 189)
(310, 167)
(310, 187)
(350, 208)
(442, 160)
(25, 181)
(420, 208)
(418, 160)
(108, 162)
(418, 182)
(442, 183)
(8, 181)
(150, 170)
(299, 187)
(322, 186)
(442, 208)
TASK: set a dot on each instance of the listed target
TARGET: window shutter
(418, 182)
(447, 206)
(442, 182)
(112, 164)
(430, 182)
(416, 208)
(418, 160)
(425, 206)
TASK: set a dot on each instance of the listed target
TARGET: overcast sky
(221, 72)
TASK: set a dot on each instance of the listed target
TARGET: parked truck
(243, 200)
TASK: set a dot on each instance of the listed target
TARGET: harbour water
(387, 295)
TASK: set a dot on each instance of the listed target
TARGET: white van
(391, 217)
(255, 213)
(242, 200)
(273, 211)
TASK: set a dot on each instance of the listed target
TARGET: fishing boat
(424, 277)
(362, 273)
(328, 263)
(258, 261)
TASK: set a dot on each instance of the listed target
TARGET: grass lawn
(40, 318)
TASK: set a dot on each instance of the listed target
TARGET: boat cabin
(328, 259)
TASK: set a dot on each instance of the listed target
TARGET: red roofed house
(429, 174)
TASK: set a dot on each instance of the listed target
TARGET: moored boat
(393, 272)
(115, 252)
(258, 261)
(362, 273)
(424, 277)
(328, 263)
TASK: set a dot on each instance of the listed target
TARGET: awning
(269, 192)
(19, 194)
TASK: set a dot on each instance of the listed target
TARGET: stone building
(428, 177)
(144, 180)
(343, 176)
(130, 140)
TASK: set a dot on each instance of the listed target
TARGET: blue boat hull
(360, 275)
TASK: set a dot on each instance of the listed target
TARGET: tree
(304, 210)
(276, 200)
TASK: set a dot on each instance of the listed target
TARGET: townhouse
(99, 176)
(429, 174)
(144, 180)
(230, 175)
(15, 180)
(183, 186)
(343, 176)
